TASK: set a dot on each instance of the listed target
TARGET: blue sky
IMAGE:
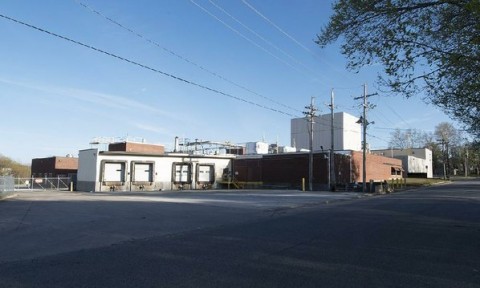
(56, 96)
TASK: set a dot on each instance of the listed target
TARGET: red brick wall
(136, 147)
(289, 169)
(68, 163)
(54, 166)
(378, 167)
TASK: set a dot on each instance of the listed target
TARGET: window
(396, 171)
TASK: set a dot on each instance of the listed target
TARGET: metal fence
(7, 186)
(43, 183)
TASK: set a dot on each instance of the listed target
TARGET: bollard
(303, 184)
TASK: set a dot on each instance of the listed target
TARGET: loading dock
(135, 171)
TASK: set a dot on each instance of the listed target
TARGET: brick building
(54, 166)
(136, 147)
(287, 170)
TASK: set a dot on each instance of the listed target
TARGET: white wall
(90, 169)
(87, 169)
(420, 160)
(347, 133)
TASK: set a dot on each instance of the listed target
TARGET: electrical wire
(263, 38)
(91, 9)
(261, 15)
(277, 27)
(247, 39)
(376, 137)
(145, 66)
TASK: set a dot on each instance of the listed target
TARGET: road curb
(8, 197)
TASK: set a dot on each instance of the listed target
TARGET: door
(182, 173)
(205, 173)
(143, 172)
(114, 172)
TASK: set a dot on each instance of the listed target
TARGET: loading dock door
(182, 173)
(114, 172)
(143, 172)
(205, 173)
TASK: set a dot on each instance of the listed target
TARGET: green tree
(473, 159)
(430, 46)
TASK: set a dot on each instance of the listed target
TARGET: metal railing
(43, 183)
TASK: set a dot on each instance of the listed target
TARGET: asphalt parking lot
(41, 223)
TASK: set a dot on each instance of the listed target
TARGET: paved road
(422, 238)
(42, 223)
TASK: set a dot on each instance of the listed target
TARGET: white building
(415, 161)
(134, 171)
(256, 148)
(347, 132)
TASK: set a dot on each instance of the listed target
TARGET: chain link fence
(7, 186)
(43, 183)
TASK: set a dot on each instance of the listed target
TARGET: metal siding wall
(87, 166)
(248, 170)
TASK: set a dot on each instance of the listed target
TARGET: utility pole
(442, 141)
(310, 114)
(365, 123)
(466, 161)
(448, 159)
(332, 180)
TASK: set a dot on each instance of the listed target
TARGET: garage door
(182, 173)
(143, 172)
(114, 172)
(205, 173)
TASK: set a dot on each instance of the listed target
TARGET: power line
(261, 15)
(396, 114)
(277, 27)
(376, 137)
(262, 38)
(246, 38)
(91, 9)
(145, 66)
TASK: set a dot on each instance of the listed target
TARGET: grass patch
(415, 182)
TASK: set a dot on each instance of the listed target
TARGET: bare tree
(410, 138)
(449, 137)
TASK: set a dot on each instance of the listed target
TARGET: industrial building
(290, 170)
(135, 166)
(347, 132)
(201, 164)
(417, 162)
(55, 166)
